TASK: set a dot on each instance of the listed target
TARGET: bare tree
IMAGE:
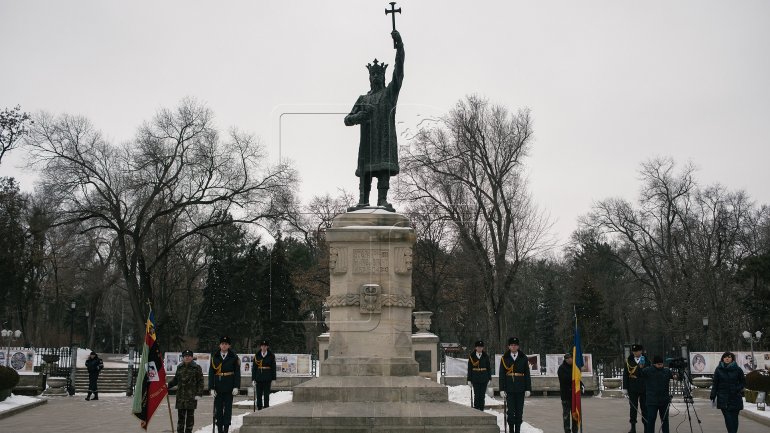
(683, 243)
(469, 165)
(14, 124)
(177, 173)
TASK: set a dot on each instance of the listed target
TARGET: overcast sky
(610, 83)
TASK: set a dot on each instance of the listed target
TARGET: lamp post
(752, 339)
(705, 332)
(72, 320)
(10, 335)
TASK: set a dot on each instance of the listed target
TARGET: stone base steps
(367, 417)
(110, 380)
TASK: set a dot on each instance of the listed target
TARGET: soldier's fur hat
(637, 348)
(187, 352)
(225, 339)
(513, 340)
(479, 343)
(264, 343)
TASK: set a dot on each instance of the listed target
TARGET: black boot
(220, 429)
(96, 396)
(225, 429)
(633, 428)
(364, 188)
(382, 195)
(88, 397)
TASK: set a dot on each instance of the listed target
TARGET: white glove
(254, 383)
(526, 393)
(197, 398)
(502, 394)
(624, 391)
(213, 392)
(235, 391)
(469, 383)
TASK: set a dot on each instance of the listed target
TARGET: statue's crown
(376, 67)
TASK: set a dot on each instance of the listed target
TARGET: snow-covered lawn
(752, 407)
(15, 401)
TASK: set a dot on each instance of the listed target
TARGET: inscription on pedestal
(370, 261)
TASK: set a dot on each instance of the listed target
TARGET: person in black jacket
(94, 365)
(727, 390)
(224, 382)
(657, 396)
(565, 389)
(633, 386)
(263, 373)
(479, 374)
(515, 383)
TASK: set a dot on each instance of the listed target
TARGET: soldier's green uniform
(224, 381)
(189, 382)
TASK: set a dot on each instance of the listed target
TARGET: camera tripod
(686, 381)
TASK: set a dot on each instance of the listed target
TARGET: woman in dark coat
(727, 389)
(94, 365)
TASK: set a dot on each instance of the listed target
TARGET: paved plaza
(112, 414)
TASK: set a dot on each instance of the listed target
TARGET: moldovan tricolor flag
(151, 386)
(577, 364)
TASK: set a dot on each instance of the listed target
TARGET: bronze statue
(376, 113)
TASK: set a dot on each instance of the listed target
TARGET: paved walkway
(113, 414)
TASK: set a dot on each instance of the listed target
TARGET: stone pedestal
(370, 382)
(56, 386)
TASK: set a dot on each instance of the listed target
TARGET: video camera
(677, 363)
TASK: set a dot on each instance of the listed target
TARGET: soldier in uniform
(94, 365)
(633, 385)
(189, 380)
(515, 383)
(224, 381)
(263, 373)
(479, 374)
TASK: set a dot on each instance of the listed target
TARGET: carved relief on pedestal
(366, 261)
(370, 298)
(338, 260)
(402, 260)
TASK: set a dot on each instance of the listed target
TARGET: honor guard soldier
(515, 383)
(94, 365)
(224, 381)
(479, 374)
(263, 373)
(189, 382)
(633, 385)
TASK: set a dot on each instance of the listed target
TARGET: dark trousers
(570, 425)
(93, 379)
(263, 394)
(515, 402)
(636, 400)
(479, 394)
(223, 408)
(652, 414)
(185, 421)
(731, 420)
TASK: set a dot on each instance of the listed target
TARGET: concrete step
(403, 389)
(363, 417)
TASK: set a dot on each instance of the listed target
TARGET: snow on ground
(752, 407)
(276, 398)
(461, 394)
(15, 401)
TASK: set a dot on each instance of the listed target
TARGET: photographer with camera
(633, 385)
(657, 396)
(727, 390)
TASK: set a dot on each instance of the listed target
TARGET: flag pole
(574, 310)
(170, 418)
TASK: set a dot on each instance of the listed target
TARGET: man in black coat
(565, 389)
(633, 385)
(263, 373)
(656, 383)
(224, 382)
(94, 365)
(515, 383)
(479, 374)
